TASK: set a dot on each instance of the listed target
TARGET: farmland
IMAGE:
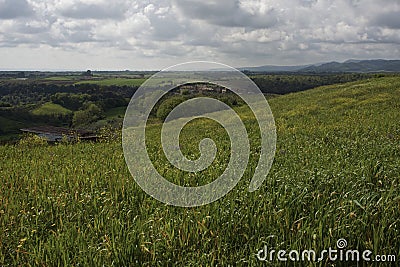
(115, 81)
(336, 175)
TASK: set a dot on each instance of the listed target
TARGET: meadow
(115, 81)
(336, 175)
(50, 108)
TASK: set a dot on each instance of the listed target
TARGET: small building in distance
(57, 134)
(201, 87)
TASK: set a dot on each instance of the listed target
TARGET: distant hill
(351, 65)
(379, 65)
(336, 166)
(273, 68)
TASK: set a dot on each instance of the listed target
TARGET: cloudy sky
(154, 34)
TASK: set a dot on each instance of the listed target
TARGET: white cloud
(156, 33)
(11, 9)
(91, 9)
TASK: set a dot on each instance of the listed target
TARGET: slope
(335, 175)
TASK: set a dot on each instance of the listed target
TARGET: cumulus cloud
(11, 9)
(100, 10)
(390, 20)
(249, 14)
(237, 32)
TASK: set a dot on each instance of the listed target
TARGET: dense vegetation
(335, 175)
(86, 101)
(33, 103)
(284, 84)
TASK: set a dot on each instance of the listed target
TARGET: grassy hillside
(50, 108)
(336, 175)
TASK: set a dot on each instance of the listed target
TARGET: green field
(336, 175)
(61, 78)
(50, 108)
(115, 81)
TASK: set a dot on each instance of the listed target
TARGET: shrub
(167, 106)
(32, 140)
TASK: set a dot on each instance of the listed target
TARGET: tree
(167, 106)
(84, 117)
(88, 73)
(21, 74)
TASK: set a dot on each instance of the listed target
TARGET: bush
(168, 105)
(91, 114)
(32, 140)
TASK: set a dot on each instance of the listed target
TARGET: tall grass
(336, 175)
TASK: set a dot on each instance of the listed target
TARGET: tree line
(86, 104)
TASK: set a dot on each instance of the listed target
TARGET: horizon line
(155, 70)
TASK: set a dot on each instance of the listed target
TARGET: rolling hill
(335, 175)
(358, 66)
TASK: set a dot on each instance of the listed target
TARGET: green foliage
(169, 102)
(110, 134)
(51, 109)
(34, 102)
(90, 114)
(72, 101)
(335, 175)
(231, 100)
(112, 101)
(289, 83)
(7, 125)
(87, 73)
(31, 140)
(168, 105)
(118, 112)
(19, 98)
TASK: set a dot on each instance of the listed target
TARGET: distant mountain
(352, 61)
(272, 68)
(351, 65)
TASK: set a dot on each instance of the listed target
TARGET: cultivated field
(336, 175)
(115, 81)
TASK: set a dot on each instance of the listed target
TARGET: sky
(155, 34)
